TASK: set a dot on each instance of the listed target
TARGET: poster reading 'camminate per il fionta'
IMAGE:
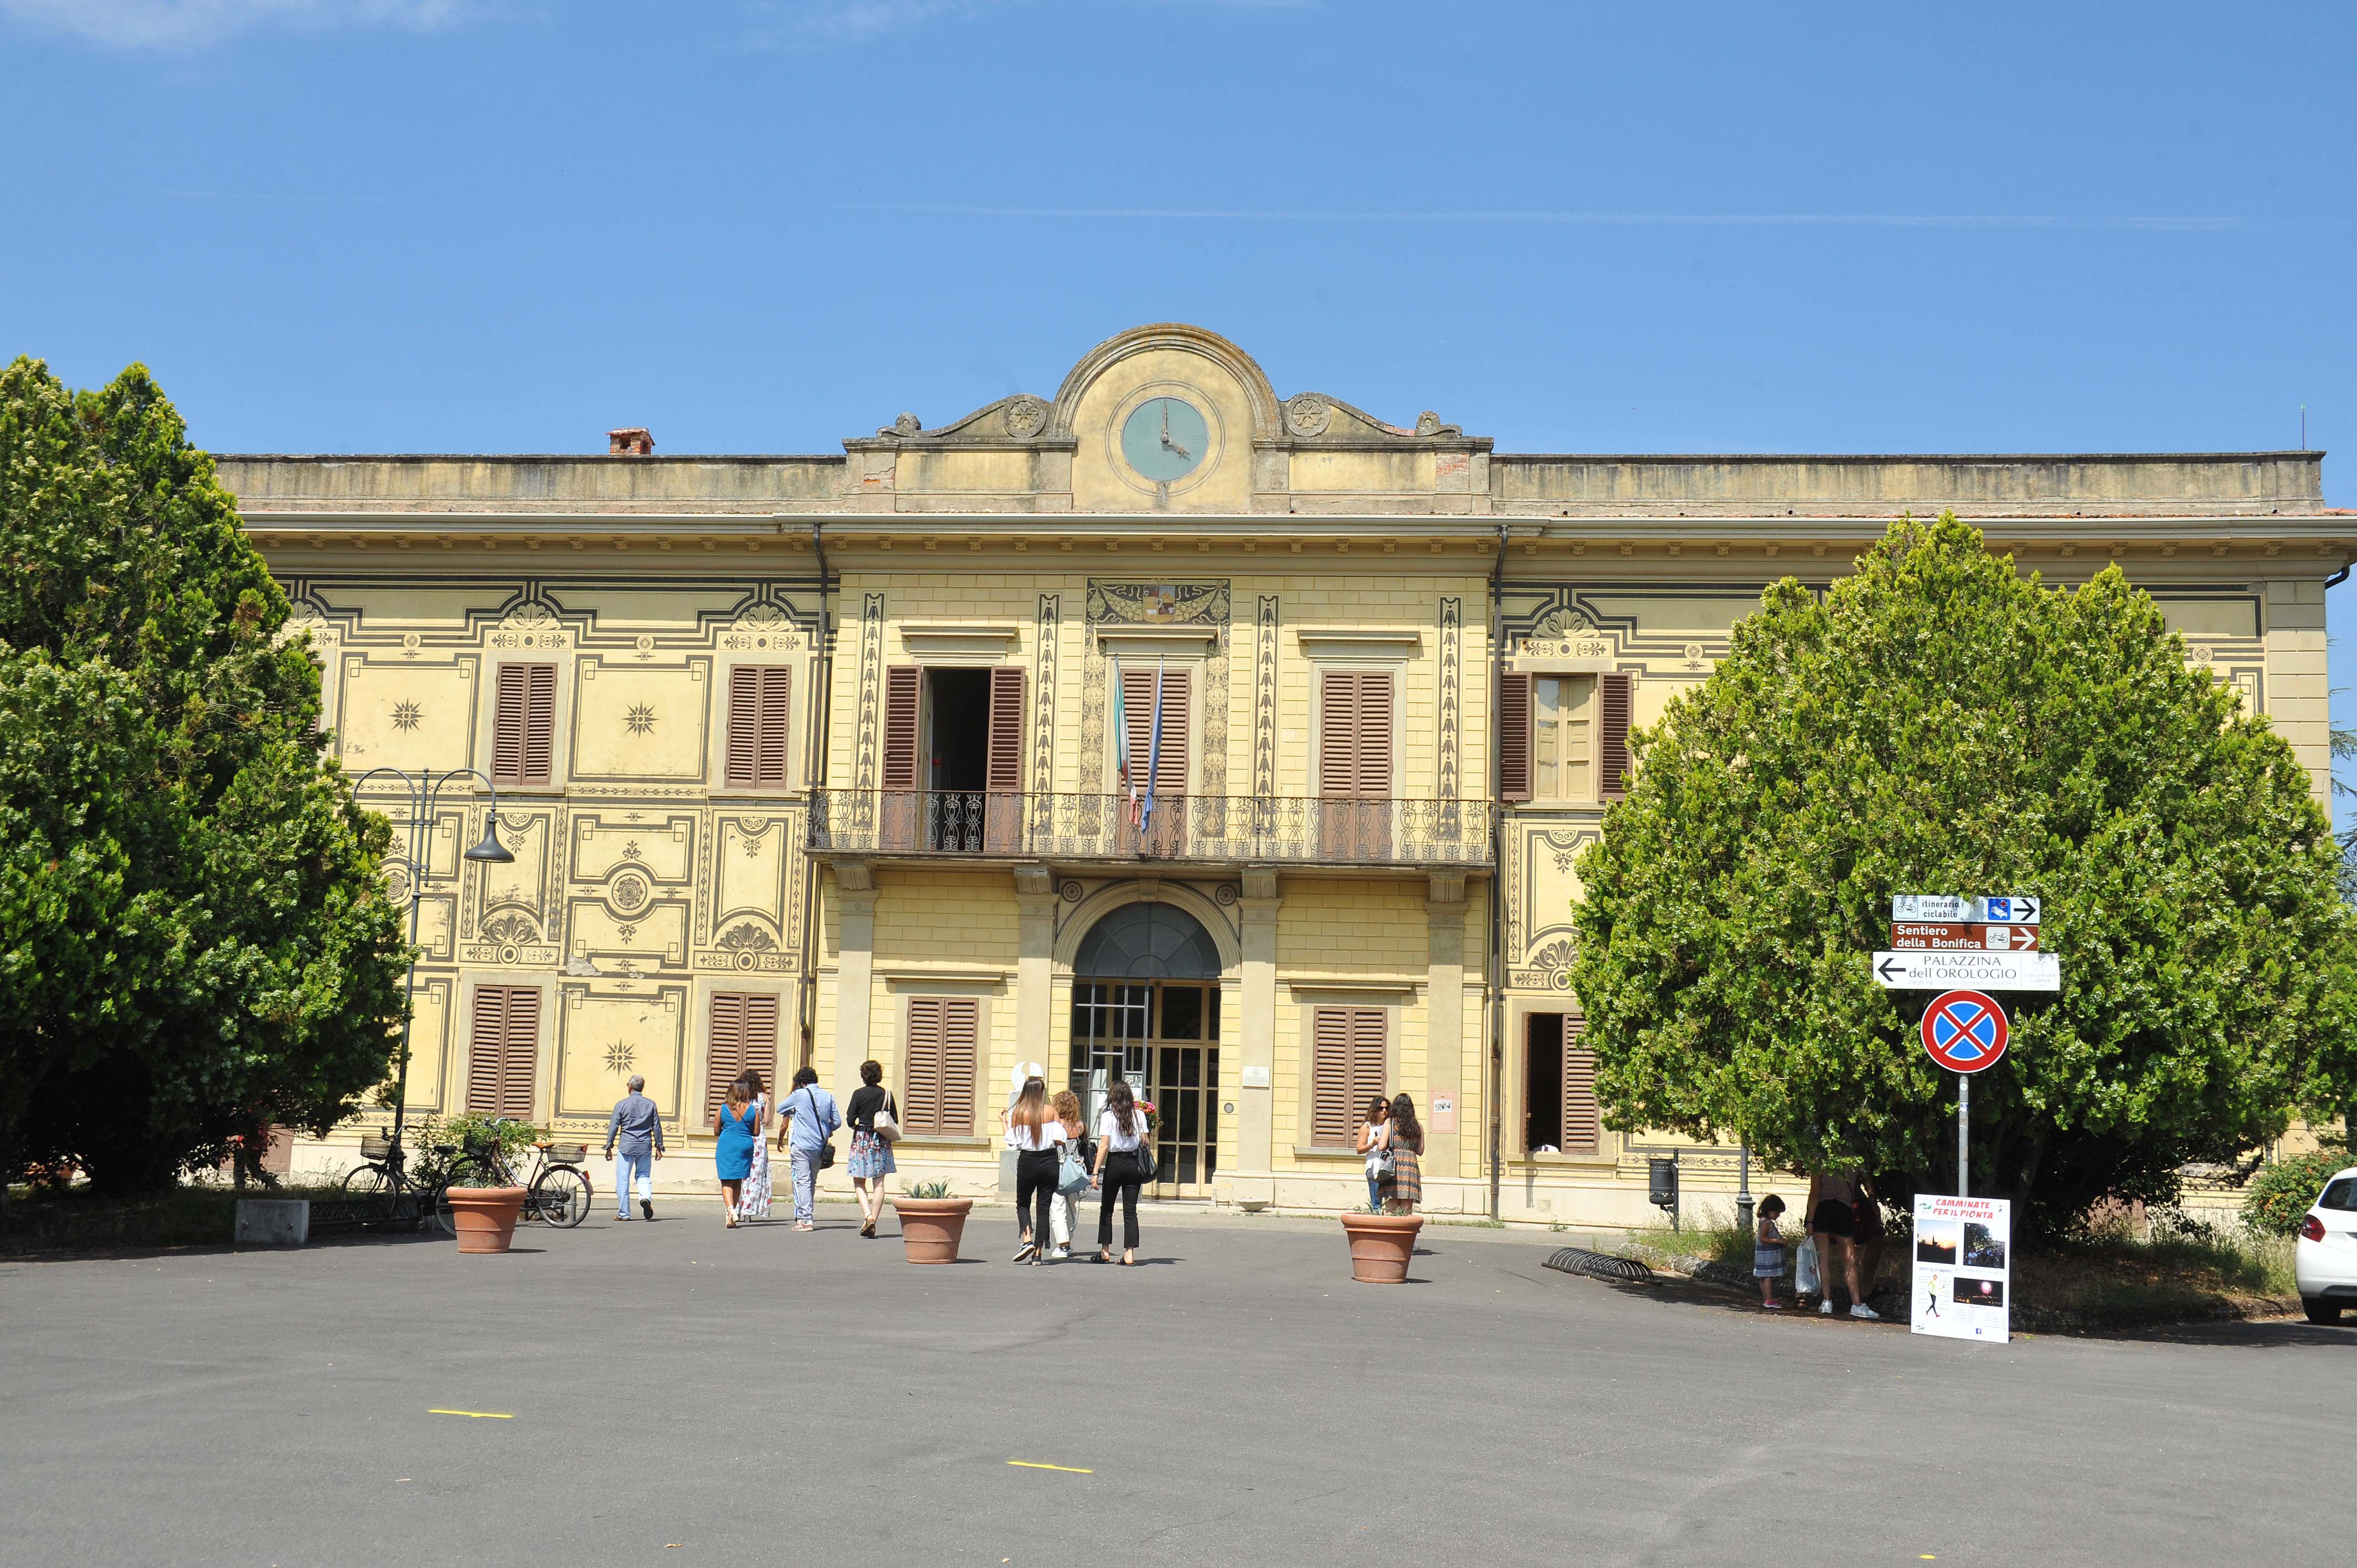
(1963, 1282)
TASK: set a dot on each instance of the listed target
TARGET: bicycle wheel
(368, 1183)
(434, 1211)
(562, 1196)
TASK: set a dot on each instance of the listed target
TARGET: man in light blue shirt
(639, 1128)
(810, 1120)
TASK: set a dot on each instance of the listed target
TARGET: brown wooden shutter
(902, 685)
(503, 1050)
(1515, 703)
(524, 730)
(744, 736)
(1137, 709)
(1616, 694)
(1332, 1116)
(920, 1100)
(1376, 734)
(961, 1064)
(1348, 1051)
(744, 1035)
(1583, 1123)
(760, 705)
(1337, 733)
(1004, 771)
(944, 1051)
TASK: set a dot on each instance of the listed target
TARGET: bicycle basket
(568, 1154)
(374, 1146)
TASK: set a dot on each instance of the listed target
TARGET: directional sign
(2010, 910)
(1933, 907)
(1955, 936)
(1965, 1031)
(1969, 970)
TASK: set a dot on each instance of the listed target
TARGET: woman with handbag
(1371, 1144)
(1124, 1163)
(1036, 1136)
(1403, 1139)
(1071, 1168)
(875, 1128)
(810, 1124)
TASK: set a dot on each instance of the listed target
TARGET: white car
(2325, 1260)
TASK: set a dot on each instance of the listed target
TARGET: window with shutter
(937, 1095)
(1514, 735)
(1617, 695)
(1003, 772)
(503, 1050)
(1560, 1114)
(1137, 710)
(523, 729)
(1354, 737)
(744, 1035)
(1347, 1051)
(759, 708)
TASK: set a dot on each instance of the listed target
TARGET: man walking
(639, 1130)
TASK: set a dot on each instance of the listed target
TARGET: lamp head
(491, 849)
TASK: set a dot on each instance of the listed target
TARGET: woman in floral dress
(754, 1203)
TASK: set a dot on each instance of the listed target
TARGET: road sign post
(1966, 1032)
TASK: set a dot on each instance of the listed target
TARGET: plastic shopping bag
(1804, 1267)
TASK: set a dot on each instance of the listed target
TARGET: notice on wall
(1964, 1279)
(1444, 1113)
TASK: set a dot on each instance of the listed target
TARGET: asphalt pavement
(674, 1393)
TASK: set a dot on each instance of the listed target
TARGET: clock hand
(1176, 448)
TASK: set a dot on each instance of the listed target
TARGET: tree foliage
(194, 938)
(1938, 724)
(2281, 1193)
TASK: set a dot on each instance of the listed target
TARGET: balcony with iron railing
(1236, 830)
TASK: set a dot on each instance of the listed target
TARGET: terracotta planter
(931, 1227)
(485, 1215)
(1381, 1245)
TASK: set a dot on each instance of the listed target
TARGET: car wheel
(2319, 1311)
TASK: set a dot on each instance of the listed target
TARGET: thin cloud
(1627, 220)
(850, 21)
(196, 24)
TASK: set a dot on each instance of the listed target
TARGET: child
(1768, 1253)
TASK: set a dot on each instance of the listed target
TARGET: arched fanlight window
(1148, 941)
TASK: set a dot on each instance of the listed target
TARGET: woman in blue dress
(737, 1125)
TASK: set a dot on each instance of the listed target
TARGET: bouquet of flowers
(1153, 1118)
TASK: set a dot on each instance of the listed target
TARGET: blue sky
(496, 225)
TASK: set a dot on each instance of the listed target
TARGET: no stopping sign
(1965, 1031)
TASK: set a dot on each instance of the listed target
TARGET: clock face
(1165, 438)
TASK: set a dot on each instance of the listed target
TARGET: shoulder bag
(886, 1127)
(1148, 1165)
(826, 1142)
(1071, 1173)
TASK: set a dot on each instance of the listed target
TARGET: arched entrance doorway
(1146, 1004)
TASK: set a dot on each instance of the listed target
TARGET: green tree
(194, 937)
(1936, 723)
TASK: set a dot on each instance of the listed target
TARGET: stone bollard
(273, 1222)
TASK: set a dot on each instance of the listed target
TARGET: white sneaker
(1827, 1306)
(1862, 1310)
(1063, 1252)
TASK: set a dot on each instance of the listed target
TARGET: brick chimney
(634, 442)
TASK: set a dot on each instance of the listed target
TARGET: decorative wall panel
(641, 722)
(607, 1032)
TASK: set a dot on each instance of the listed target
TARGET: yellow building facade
(822, 758)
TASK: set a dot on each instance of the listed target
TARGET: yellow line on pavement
(478, 1414)
(1035, 1464)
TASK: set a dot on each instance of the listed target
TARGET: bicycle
(385, 1177)
(557, 1192)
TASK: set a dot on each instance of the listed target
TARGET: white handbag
(887, 1127)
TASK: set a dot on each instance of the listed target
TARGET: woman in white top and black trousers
(1033, 1133)
(1125, 1163)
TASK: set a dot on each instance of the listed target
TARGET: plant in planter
(1381, 1245)
(484, 1198)
(932, 1223)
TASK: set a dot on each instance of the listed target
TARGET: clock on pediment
(1165, 438)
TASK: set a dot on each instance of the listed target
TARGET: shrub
(2280, 1194)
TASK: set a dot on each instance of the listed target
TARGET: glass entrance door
(1163, 1037)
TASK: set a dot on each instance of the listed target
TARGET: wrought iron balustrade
(1307, 830)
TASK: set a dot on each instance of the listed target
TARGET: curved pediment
(1171, 418)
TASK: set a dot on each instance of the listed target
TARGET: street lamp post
(424, 792)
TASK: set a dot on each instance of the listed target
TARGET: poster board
(1964, 1268)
